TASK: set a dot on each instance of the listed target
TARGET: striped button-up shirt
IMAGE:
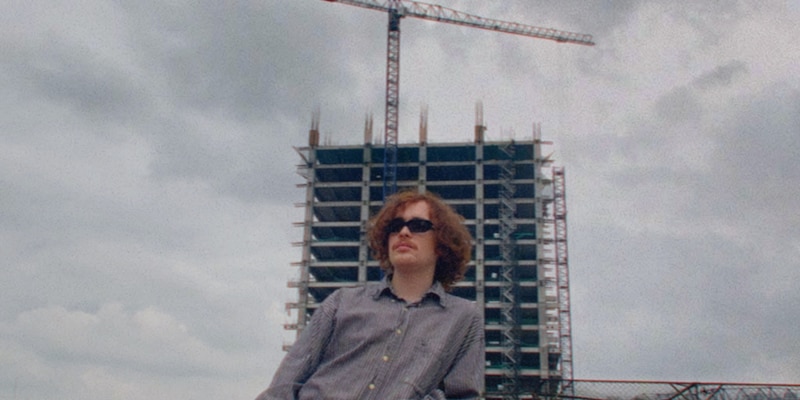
(365, 343)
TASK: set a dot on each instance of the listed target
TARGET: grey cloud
(723, 75)
(77, 76)
(678, 105)
(755, 163)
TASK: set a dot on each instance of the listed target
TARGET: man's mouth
(403, 245)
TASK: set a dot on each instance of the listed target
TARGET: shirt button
(399, 331)
(371, 386)
(385, 358)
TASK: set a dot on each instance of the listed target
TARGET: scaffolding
(509, 307)
(562, 271)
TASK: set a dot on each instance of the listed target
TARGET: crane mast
(392, 100)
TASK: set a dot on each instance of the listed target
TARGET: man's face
(408, 251)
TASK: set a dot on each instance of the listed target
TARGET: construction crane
(398, 9)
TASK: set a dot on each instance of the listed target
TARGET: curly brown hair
(453, 241)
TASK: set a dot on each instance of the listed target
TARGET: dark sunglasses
(415, 225)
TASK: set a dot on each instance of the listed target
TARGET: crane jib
(398, 9)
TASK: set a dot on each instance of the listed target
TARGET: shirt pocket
(428, 368)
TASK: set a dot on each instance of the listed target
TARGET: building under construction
(513, 202)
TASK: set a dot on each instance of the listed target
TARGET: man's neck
(410, 286)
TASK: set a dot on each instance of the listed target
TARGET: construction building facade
(513, 203)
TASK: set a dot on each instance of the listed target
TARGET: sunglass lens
(418, 225)
(395, 225)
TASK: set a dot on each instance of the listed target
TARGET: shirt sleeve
(303, 357)
(465, 378)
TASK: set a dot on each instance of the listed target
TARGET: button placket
(392, 345)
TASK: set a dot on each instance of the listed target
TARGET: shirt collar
(436, 292)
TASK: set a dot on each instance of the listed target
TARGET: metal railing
(666, 390)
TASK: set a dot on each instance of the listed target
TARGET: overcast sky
(147, 178)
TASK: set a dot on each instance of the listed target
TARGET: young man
(404, 337)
